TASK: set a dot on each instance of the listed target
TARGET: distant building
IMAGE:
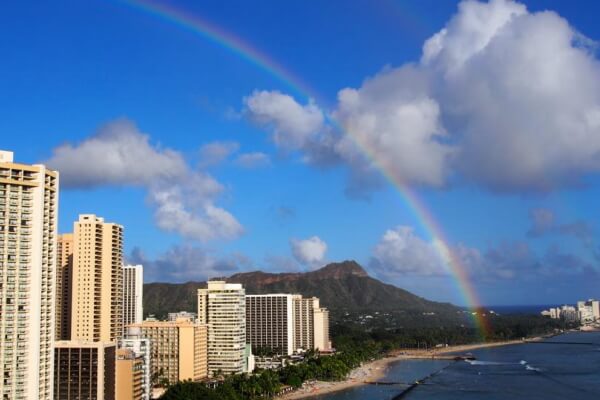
(222, 307)
(129, 375)
(178, 349)
(133, 292)
(84, 370)
(97, 289)
(589, 311)
(270, 322)
(174, 316)
(134, 341)
(28, 220)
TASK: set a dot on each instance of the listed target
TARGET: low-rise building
(84, 370)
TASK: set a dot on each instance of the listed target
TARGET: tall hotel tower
(222, 306)
(97, 280)
(28, 219)
(133, 286)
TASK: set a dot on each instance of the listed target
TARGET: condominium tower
(97, 280)
(222, 306)
(130, 374)
(270, 323)
(28, 219)
(64, 269)
(133, 286)
(177, 351)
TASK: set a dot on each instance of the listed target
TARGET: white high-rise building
(270, 322)
(222, 306)
(134, 341)
(133, 290)
(28, 220)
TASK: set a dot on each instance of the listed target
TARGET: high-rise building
(28, 220)
(177, 351)
(134, 341)
(64, 270)
(222, 306)
(133, 286)
(321, 329)
(97, 282)
(129, 372)
(270, 323)
(84, 370)
(311, 324)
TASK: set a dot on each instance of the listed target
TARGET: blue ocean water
(560, 370)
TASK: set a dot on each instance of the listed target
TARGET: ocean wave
(479, 362)
(530, 368)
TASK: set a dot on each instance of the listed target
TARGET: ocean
(568, 368)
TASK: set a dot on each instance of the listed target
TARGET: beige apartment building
(97, 280)
(178, 349)
(130, 371)
(84, 370)
(28, 221)
(270, 322)
(64, 270)
(311, 324)
(222, 306)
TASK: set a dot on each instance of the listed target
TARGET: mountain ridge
(342, 287)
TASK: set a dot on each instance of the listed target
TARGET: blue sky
(494, 124)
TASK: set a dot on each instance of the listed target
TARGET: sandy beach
(376, 370)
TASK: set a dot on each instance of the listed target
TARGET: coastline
(376, 370)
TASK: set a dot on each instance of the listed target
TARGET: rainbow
(239, 47)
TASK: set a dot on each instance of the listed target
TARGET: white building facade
(133, 292)
(222, 306)
(28, 240)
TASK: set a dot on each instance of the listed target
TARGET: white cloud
(216, 152)
(309, 251)
(253, 160)
(187, 263)
(503, 98)
(120, 155)
(401, 252)
(292, 124)
(394, 119)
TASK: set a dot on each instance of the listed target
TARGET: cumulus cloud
(120, 155)
(544, 222)
(501, 97)
(187, 263)
(309, 251)
(401, 253)
(216, 152)
(292, 124)
(253, 160)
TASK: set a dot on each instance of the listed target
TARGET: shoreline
(376, 370)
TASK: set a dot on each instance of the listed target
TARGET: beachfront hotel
(28, 221)
(311, 324)
(270, 322)
(222, 307)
